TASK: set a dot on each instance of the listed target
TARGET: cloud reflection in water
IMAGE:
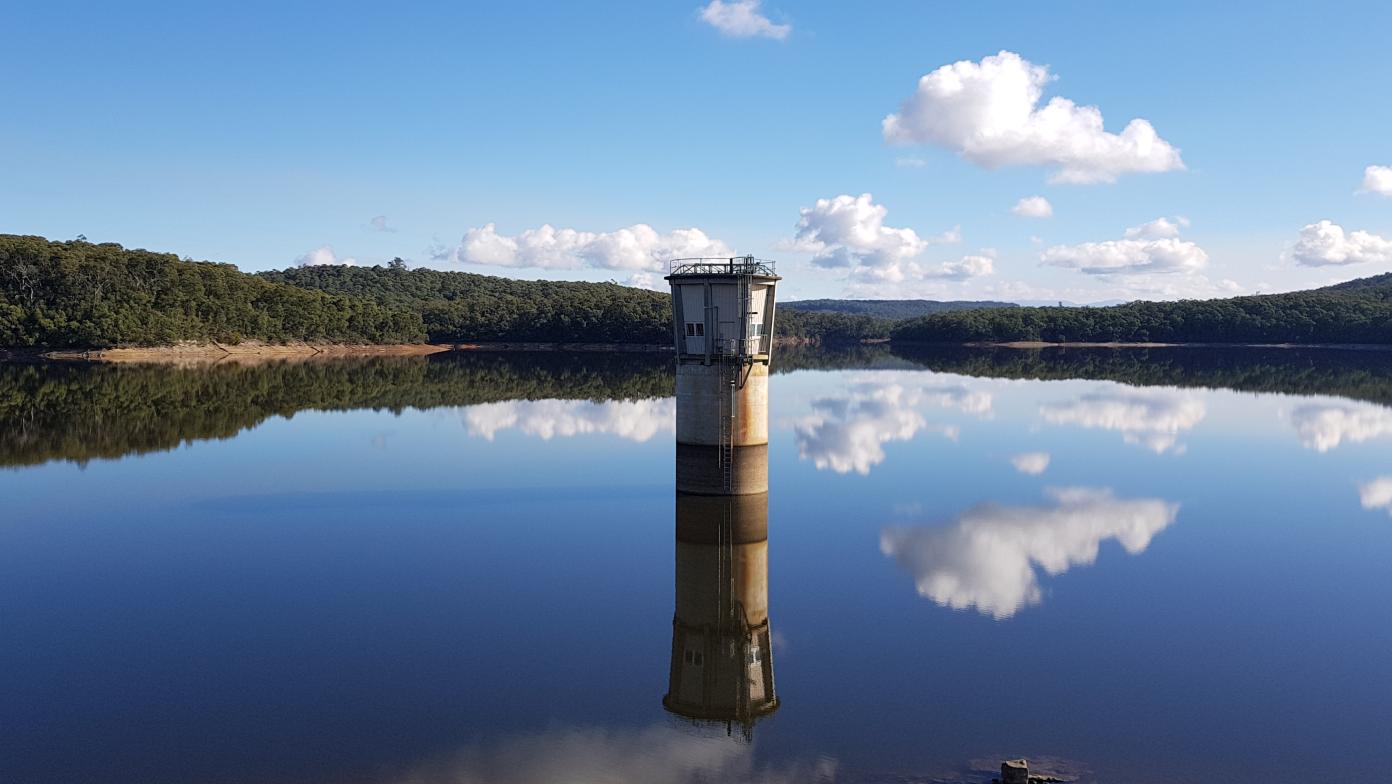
(1324, 426)
(846, 433)
(985, 560)
(1153, 419)
(633, 420)
(1031, 463)
(1376, 494)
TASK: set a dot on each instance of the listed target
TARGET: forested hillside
(1353, 312)
(892, 309)
(462, 306)
(84, 295)
(80, 294)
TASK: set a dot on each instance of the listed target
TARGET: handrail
(730, 265)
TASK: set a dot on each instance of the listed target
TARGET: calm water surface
(1126, 566)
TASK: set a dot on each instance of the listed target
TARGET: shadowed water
(1163, 565)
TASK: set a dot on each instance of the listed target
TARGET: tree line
(92, 295)
(459, 307)
(78, 294)
(82, 294)
(1345, 314)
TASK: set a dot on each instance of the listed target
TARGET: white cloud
(989, 113)
(632, 420)
(1153, 420)
(589, 755)
(1158, 229)
(1033, 207)
(910, 162)
(1324, 426)
(646, 280)
(1377, 494)
(379, 223)
(742, 19)
(1377, 179)
(638, 247)
(986, 559)
(323, 256)
(846, 433)
(1032, 463)
(1325, 243)
(848, 232)
(1151, 248)
(965, 268)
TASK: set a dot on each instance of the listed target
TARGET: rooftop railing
(730, 265)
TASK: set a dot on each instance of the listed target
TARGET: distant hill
(1377, 287)
(893, 309)
(1356, 311)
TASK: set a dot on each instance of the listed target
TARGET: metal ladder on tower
(731, 366)
(728, 403)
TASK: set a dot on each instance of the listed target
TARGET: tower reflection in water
(722, 665)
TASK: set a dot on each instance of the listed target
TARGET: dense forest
(78, 294)
(1359, 311)
(85, 295)
(81, 294)
(461, 307)
(892, 309)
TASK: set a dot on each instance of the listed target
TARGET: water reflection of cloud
(847, 433)
(634, 420)
(1032, 463)
(1153, 419)
(1323, 426)
(986, 559)
(1377, 494)
(654, 755)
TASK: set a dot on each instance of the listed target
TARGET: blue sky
(269, 134)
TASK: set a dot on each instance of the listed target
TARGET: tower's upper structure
(722, 309)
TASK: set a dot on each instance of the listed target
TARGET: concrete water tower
(722, 323)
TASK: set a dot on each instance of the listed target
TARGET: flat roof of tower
(729, 265)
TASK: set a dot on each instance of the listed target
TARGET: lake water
(1164, 565)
